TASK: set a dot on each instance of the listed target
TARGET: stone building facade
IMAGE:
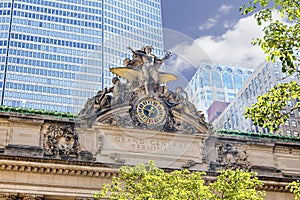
(52, 158)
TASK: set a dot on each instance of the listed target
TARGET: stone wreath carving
(60, 140)
(230, 157)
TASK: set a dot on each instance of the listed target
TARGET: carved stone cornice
(296, 151)
(6, 123)
(284, 150)
(274, 186)
(22, 120)
(59, 169)
(268, 185)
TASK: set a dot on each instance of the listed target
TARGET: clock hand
(150, 111)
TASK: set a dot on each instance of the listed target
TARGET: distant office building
(56, 54)
(265, 77)
(214, 82)
(215, 110)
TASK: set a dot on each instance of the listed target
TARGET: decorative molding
(296, 151)
(268, 185)
(274, 187)
(57, 169)
(6, 123)
(22, 120)
(16, 196)
(284, 150)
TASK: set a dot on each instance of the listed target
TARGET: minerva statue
(143, 70)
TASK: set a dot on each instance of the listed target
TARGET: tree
(236, 184)
(280, 42)
(146, 181)
(149, 182)
(294, 187)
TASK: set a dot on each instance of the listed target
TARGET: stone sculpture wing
(130, 74)
(125, 72)
(166, 77)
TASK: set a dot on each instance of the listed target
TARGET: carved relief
(231, 157)
(185, 128)
(124, 121)
(188, 164)
(32, 197)
(117, 158)
(8, 196)
(100, 143)
(60, 140)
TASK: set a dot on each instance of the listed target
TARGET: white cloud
(228, 24)
(211, 22)
(225, 8)
(232, 48)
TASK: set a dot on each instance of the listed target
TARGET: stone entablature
(51, 179)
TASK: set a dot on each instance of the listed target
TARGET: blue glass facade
(56, 54)
(214, 82)
(263, 78)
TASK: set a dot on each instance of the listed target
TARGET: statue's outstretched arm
(137, 52)
(131, 50)
(162, 60)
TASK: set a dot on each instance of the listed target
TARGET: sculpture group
(148, 103)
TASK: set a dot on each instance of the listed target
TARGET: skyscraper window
(227, 81)
(205, 77)
(238, 84)
(216, 80)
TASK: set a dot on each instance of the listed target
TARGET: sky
(211, 31)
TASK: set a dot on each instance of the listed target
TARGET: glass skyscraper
(54, 54)
(260, 82)
(215, 82)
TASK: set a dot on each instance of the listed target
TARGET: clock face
(150, 111)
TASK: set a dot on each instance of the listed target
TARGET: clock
(150, 111)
